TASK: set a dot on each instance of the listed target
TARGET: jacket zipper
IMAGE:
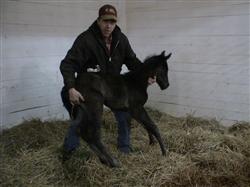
(110, 56)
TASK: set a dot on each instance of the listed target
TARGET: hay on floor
(201, 153)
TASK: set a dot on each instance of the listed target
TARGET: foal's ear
(163, 53)
(169, 55)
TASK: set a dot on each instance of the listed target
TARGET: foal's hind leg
(92, 135)
(142, 117)
(151, 138)
(103, 155)
(97, 146)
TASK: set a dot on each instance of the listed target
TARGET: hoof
(103, 161)
(165, 152)
(152, 142)
(115, 163)
(112, 163)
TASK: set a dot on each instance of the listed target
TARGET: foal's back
(109, 89)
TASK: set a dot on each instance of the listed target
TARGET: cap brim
(109, 17)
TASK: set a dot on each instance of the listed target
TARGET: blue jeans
(123, 139)
(72, 140)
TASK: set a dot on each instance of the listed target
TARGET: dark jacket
(89, 50)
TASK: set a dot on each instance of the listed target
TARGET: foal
(126, 92)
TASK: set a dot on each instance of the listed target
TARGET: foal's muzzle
(164, 86)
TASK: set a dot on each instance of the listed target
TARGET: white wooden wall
(35, 37)
(209, 68)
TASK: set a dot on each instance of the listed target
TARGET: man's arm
(131, 61)
(73, 62)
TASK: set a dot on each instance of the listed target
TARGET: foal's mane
(147, 64)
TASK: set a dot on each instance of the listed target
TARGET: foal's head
(157, 66)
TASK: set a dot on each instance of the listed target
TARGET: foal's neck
(140, 79)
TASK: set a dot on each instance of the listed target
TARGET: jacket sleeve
(75, 58)
(131, 61)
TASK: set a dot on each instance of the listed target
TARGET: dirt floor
(201, 153)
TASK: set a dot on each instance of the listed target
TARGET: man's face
(106, 26)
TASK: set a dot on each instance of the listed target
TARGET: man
(103, 47)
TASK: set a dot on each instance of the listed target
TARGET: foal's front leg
(142, 117)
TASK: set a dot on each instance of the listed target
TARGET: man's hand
(75, 97)
(151, 80)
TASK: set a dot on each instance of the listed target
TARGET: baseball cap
(108, 12)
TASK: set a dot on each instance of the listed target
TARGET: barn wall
(209, 68)
(35, 36)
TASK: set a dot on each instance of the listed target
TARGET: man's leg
(123, 140)
(71, 140)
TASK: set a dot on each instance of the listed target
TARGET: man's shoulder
(85, 34)
(123, 37)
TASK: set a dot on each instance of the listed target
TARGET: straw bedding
(201, 153)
